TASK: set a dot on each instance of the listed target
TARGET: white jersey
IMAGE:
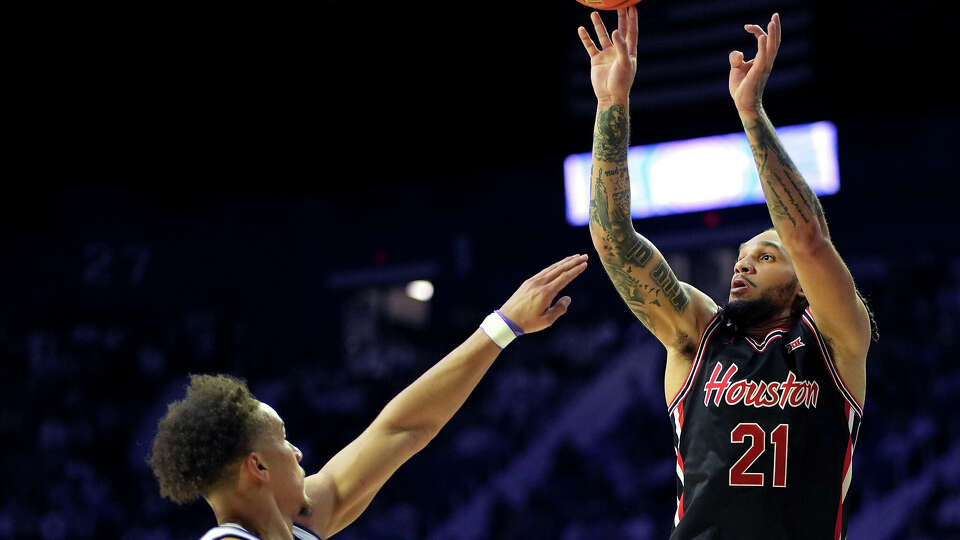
(232, 529)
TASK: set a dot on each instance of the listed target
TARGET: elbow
(411, 438)
(415, 440)
(595, 230)
(597, 235)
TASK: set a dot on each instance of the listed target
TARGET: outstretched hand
(613, 65)
(530, 306)
(748, 79)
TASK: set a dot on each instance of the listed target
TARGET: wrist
(500, 329)
(610, 101)
(750, 115)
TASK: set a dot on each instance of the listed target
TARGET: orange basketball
(608, 4)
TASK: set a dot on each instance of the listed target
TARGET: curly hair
(212, 427)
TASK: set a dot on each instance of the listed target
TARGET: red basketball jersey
(764, 433)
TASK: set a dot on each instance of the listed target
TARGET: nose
(743, 266)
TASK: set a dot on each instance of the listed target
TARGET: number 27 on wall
(758, 439)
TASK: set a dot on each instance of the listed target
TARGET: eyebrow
(768, 243)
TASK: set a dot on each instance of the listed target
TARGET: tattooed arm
(639, 272)
(798, 217)
(673, 311)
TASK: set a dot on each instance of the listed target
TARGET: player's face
(764, 271)
(283, 461)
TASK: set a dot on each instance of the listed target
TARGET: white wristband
(500, 329)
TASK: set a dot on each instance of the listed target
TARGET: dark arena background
(249, 190)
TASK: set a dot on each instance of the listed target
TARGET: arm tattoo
(623, 252)
(664, 277)
(789, 198)
(631, 291)
(610, 137)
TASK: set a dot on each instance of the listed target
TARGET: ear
(254, 466)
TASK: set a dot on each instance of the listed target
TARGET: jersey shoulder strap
(224, 531)
(821, 343)
(302, 533)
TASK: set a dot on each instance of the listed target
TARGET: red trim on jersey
(848, 458)
(679, 457)
(766, 341)
(831, 366)
(839, 527)
(695, 365)
(677, 427)
(680, 507)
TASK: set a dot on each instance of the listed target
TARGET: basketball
(608, 4)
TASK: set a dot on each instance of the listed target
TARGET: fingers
(737, 63)
(632, 29)
(736, 59)
(550, 273)
(556, 310)
(773, 30)
(754, 29)
(602, 36)
(530, 306)
(565, 275)
(546, 272)
(627, 28)
(620, 44)
(761, 40)
(768, 43)
(587, 42)
(543, 275)
(624, 38)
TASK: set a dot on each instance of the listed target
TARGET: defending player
(220, 443)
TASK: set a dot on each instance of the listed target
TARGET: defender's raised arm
(344, 487)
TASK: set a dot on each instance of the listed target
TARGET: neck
(258, 517)
(757, 317)
(760, 330)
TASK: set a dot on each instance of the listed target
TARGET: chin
(306, 506)
(306, 509)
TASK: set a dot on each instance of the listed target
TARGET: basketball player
(766, 393)
(221, 444)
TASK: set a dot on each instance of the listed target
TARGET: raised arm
(798, 217)
(347, 483)
(673, 311)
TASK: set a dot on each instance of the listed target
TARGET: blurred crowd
(566, 437)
